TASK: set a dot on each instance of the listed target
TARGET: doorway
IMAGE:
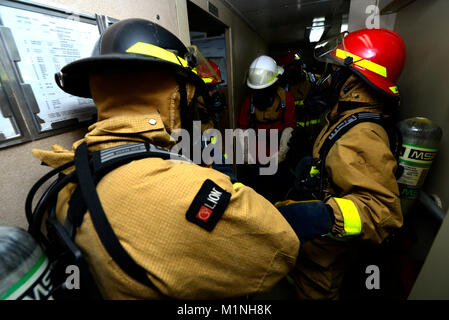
(210, 35)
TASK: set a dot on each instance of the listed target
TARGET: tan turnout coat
(250, 249)
(362, 169)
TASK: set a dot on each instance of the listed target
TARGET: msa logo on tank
(421, 155)
(208, 206)
(35, 285)
(416, 161)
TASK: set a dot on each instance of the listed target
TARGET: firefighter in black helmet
(143, 81)
(132, 44)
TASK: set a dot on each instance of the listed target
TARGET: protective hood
(139, 94)
(355, 93)
(357, 90)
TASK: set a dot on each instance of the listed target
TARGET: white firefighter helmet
(263, 72)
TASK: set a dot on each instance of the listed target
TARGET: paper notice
(46, 44)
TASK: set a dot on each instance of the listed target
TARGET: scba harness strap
(252, 111)
(89, 170)
(317, 179)
(336, 134)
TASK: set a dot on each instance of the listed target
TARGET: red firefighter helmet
(375, 55)
(287, 59)
(210, 75)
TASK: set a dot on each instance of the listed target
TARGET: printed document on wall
(46, 44)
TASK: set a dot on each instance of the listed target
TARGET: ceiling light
(318, 21)
(316, 33)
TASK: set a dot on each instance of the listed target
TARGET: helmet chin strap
(187, 115)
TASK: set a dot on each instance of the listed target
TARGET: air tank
(421, 138)
(24, 268)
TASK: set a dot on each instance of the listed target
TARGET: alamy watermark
(372, 282)
(73, 279)
(373, 20)
(240, 146)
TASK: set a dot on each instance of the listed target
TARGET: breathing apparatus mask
(294, 72)
(264, 98)
(215, 100)
(325, 93)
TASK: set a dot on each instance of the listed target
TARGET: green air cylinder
(421, 138)
(24, 268)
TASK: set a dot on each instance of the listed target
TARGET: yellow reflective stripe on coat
(351, 217)
(237, 185)
(157, 52)
(369, 65)
(299, 102)
(308, 123)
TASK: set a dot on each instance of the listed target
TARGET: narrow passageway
(223, 149)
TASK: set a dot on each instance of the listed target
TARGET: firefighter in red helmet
(296, 81)
(351, 174)
(212, 102)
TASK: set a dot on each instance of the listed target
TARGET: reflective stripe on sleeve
(308, 123)
(351, 217)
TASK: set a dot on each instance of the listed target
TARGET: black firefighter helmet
(131, 44)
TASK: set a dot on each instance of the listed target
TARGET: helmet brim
(386, 88)
(262, 86)
(266, 85)
(74, 77)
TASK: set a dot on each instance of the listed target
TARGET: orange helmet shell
(210, 76)
(287, 59)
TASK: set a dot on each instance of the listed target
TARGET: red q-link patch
(204, 214)
(208, 205)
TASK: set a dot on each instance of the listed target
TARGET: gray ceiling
(284, 21)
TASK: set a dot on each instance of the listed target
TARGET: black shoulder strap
(101, 223)
(103, 162)
(344, 127)
(86, 175)
(336, 134)
(252, 112)
(89, 170)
